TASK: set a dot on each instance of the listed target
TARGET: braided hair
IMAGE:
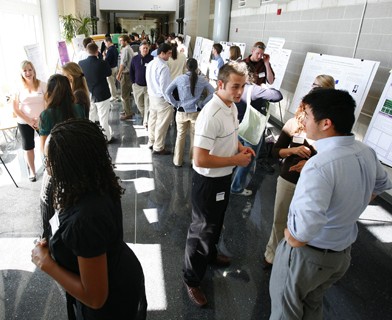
(79, 163)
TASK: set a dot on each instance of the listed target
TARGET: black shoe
(265, 166)
(163, 152)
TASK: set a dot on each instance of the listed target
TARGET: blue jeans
(240, 173)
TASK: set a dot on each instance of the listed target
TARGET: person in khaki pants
(190, 88)
(124, 77)
(161, 112)
(138, 78)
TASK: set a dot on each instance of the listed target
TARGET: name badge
(299, 140)
(261, 74)
(220, 196)
(54, 223)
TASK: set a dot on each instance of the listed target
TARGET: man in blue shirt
(138, 79)
(334, 188)
(216, 51)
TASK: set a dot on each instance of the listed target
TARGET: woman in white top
(28, 104)
(176, 62)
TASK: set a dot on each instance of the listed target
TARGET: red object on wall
(279, 12)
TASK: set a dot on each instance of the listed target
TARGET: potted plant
(69, 27)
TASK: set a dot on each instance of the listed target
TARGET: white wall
(138, 5)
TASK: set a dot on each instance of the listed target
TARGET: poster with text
(353, 75)
(379, 133)
(205, 56)
(197, 51)
(35, 54)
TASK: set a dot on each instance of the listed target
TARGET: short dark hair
(218, 47)
(164, 47)
(109, 39)
(336, 105)
(86, 41)
(259, 45)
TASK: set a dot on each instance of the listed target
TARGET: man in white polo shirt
(216, 152)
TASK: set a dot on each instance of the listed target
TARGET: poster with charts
(204, 62)
(379, 133)
(353, 75)
(197, 51)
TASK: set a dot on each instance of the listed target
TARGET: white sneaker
(244, 192)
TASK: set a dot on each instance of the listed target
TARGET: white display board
(205, 56)
(187, 41)
(197, 51)
(379, 133)
(279, 59)
(353, 75)
(35, 54)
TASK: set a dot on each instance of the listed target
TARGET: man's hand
(266, 58)
(291, 240)
(244, 157)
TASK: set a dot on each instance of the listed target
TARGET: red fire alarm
(279, 12)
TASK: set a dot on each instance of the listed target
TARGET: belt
(324, 250)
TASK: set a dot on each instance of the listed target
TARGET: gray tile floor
(157, 213)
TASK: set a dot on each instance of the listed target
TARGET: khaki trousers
(161, 115)
(126, 90)
(185, 122)
(142, 101)
(284, 195)
(112, 83)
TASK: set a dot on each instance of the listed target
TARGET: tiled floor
(157, 213)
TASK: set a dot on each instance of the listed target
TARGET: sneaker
(244, 192)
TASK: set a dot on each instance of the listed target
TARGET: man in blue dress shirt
(334, 189)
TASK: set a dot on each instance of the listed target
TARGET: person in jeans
(190, 87)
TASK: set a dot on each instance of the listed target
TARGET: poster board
(353, 75)
(35, 54)
(197, 51)
(187, 41)
(205, 56)
(279, 59)
(63, 52)
(379, 133)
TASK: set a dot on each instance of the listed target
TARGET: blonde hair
(76, 77)
(23, 65)
(325, 81)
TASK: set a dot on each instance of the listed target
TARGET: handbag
(254, 122)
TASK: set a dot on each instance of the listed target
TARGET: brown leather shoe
(127, 117)
(163, 152)
(196, 295)
(221, 261)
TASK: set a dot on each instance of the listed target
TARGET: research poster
(379, 133)
(205, 56)
(197, 51)
(63, 52)
(36, 56)
(353, 75)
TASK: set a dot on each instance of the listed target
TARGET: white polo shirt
(216, 130)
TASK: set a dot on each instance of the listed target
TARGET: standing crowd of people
(82, 246)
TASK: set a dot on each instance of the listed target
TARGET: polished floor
(157, 213)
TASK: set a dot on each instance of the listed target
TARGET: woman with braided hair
(87, 255)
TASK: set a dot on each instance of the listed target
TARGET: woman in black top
(87, 255)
